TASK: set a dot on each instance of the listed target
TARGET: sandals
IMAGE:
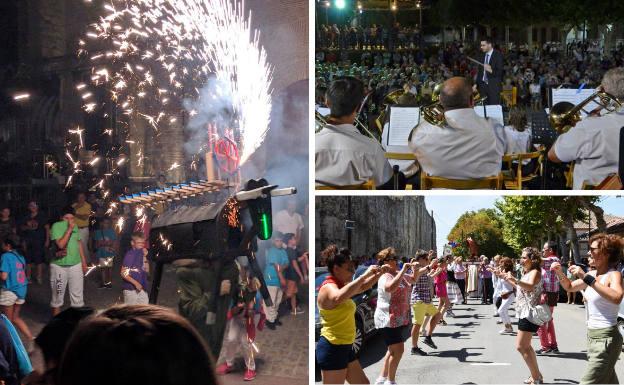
(530, 380)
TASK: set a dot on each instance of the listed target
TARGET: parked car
(365, 303)
(620, 319)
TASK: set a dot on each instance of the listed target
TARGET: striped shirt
(551, 282)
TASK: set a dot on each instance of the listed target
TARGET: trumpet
(565, 115)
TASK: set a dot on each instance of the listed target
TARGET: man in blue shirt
(276, 263)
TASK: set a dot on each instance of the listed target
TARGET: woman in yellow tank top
(333, 350)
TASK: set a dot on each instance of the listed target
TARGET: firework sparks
(90, 268)
(160, 51)
(165, 242)
(78, 131)
(120, 223)
(21, 97)
(152, 58)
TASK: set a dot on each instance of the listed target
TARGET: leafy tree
(532, 220)
(485, 227)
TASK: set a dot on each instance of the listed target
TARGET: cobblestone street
(283, 356)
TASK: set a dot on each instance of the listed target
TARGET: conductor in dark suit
(490, 75)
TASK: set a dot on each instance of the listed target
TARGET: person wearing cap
(276, 263)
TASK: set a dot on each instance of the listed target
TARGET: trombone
(320, 122)
(565, 115)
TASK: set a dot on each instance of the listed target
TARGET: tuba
(565, 115)
(391, 98)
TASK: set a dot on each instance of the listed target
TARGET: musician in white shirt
(343, 156)
(467, 146)
(594, 143)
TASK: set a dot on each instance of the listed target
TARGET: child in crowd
(14, 287)
(293, 273)
(134, 269)
(107, 247)
(241, 326)
(276, 263)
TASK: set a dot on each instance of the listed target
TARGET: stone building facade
(402, 222)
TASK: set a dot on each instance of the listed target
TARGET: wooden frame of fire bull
(203, 243)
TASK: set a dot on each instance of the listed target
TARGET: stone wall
(402, 222)
(283, 26)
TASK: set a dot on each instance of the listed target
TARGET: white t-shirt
(594, 143)
(286, 223)
(517, 142)
(535, 88)
(468, 147)
(343, 157)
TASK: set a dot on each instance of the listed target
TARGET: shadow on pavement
(375, 350)
(455, 335)
(467, 324)
(563, 381)
(474, 315)
(461, 355)
(573, 355)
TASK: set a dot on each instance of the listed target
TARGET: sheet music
(323, 110)
(574, 96)
(493, 112)
(402, 121)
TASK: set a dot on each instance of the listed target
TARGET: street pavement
(283, 353)
(470, 351)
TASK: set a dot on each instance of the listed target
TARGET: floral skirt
(454, 293)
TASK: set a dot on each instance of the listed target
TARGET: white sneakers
(506, 331)
(384, 381)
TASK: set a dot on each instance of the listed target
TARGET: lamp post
(327, 5)
(420, 26)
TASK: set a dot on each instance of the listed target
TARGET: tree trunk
(569, 224)
(598, 213)
(565, 249)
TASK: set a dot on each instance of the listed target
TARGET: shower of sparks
(141, 215)
(90, 268)
(165, 242)
(127, 270)
(20, 97)
(150, 60)
(232, 213)
(111, 208)
(153, 55)
(120, 224)
(78, 131)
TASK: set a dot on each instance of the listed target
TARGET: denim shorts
(333, 357)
